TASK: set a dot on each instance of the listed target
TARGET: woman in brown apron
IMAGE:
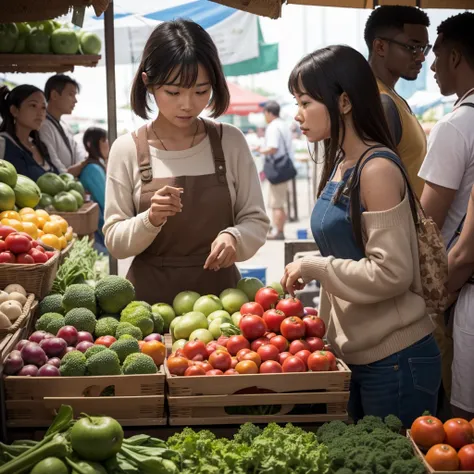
(200, 226)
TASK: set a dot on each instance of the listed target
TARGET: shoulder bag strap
(143, 154)
(61, 132)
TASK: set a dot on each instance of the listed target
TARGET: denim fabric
(404, 384)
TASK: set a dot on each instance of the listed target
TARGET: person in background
(66, 153)
(278, 142)
(364, 226)
(448, 170)
(93, 171)
(397, 38)
(183, 195)
(23, 110)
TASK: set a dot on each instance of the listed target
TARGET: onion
(84, 345)
(13, 363)
(84, 336)
(54, 346)
(21, 344)
(69, 334)
(28, 371)
(37, 336)
(56, 361)
(153, 337)
(48, 371)
(33, 354)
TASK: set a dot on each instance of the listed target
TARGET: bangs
(305, 79)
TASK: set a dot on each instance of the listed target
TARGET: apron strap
(143, 154)
(215, 137)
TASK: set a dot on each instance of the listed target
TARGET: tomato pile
(277, 335)
(19, 247)
(448, 446)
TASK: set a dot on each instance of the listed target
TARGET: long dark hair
(324, 75)
(174, 51)
(91, 139)
(16, 97)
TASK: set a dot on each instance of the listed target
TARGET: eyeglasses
(415, 50)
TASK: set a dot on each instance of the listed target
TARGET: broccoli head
(79, 295)
(95, 349)
(82, 319)
(393, 423)
(73, 364)
(106, 326)
(125, 347)
(140, 317)
(158, 322)
(139, 364)
(50, 322)
(130, 329)
(407, 466)
(103, 363)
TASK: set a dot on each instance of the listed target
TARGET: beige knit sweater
(128, 232)
(370, 306)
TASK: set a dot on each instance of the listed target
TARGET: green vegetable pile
(90, 445)
(372, 446)
(275, 449)
(78, 267)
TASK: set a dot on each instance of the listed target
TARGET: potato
(15, 287)
(15, 296)
(11, 309)
(5, 323)
(3, 296)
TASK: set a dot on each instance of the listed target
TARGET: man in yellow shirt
(397, 38)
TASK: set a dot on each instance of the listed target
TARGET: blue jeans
(404, 384)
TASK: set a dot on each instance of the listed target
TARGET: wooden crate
(84, 221)
(202, 400)
(429, 469)
(138, 400)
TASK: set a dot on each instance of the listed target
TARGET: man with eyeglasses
(397, 38)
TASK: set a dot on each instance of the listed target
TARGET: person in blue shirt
(92, 175)
(23, 110)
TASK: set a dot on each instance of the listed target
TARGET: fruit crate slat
(429, 469)
(131, 411)
(46, 62)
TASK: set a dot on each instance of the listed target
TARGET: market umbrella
(452, 4)
(243, 101)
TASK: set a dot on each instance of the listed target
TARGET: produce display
(47, 37)
(240, 332)
(16, 190)
(91, 329)
(62, 193)
(12, 300)
(97, 445)
(448, 446)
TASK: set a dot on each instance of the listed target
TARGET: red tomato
(195, 348)
(283, 356)
(231, 372)
(252, 326)
(291, 307)
(18, 243)
(235, 343)
(280, 343)
(459, 432)
(270, 367)
(298, 345)
(204, 364)
(303, 355)
(235, 361)
(177, 365)
(220, 360)
(315, 344)
(251, 308)
(315, 326)
(268, 352)
(247, 367)
(332, 360)
(3, 246)
(5, 231)
(308, 310)
(222, 341)
(24, 258)
(273, 319)
(261, 341)
(318, 362)
(211, 347)
(466, 457)
(38, 257)
(294, 364)
(292, 328)
(253, 356)
(28, 236)
(106, 341)
(179, 352)
(269, 335)
(241, 353)
(7, 257)
(214, 372)
(50, 253)
(442, 457)
(267, 297)
(193, 371)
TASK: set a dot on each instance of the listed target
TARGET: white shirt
(450, 160)
(278, 135)
(59, 152)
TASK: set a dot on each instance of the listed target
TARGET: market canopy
(243, 101)
(452, 4)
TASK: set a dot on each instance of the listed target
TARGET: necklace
(161, 141)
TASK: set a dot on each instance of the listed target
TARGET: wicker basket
(22, 320)
(65, 252)
(37, 278)
(37, 10)
(85, 221)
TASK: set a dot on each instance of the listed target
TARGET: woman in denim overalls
(364, 228)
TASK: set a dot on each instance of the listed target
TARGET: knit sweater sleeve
(127, 233)
(387, 270)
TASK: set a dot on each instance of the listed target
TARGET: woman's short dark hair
(172, 54)
(91, 139)
(16, 97)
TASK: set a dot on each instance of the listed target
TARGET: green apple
(232, 299)
(166, 311)
(250, 286)
(207, 304)
(184, 301)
